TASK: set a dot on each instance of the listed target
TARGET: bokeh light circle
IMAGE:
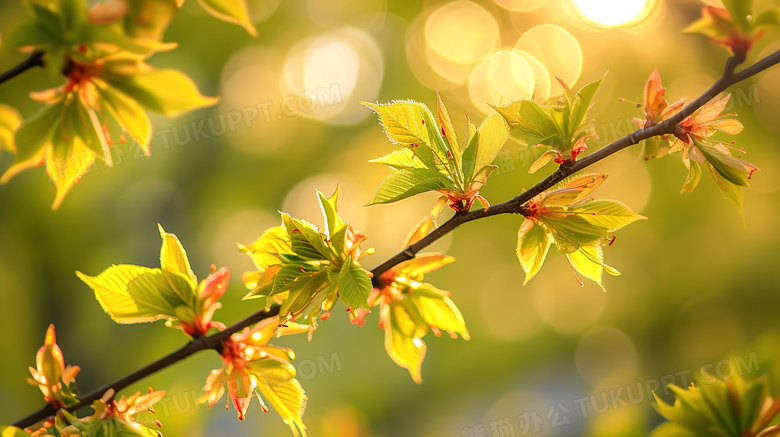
(504, 76)
(613, 13)
(325, 76)
(445, 32)
(521, 5)
(556, 49)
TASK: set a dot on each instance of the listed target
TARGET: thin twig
(512, 206)
(35, 60)
(203, 343)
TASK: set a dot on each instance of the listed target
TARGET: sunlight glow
(613, 13)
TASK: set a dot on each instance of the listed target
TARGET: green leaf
(609, 215)
(305, 240)
(694, 175)
(276, 381)
(166, 91)
(739, 10)
(589, 262)
(730, 168)
(173, 257)
(403, 338)
(148, 19)
(437, 309)
(66, 161)
(731, 192)
(130, 294)
(530, 123)
(232, 11)
(12, 431)
(31, 139)
(329, 207)
(407, 182)
(582, 101)
(354, 285)
(404, 121)
(9, 123)
(401, 159)
(265, 250)
(654, 147)
(490, 138)
(572, 232)
(128, 113)
(532, 248)
(672, 430)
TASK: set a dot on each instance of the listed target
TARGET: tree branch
(203, 343)
(512, 206)
(35, 60)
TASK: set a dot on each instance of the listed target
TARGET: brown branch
(203, 343)
(515, 205)
(512, 206)
(35, 60)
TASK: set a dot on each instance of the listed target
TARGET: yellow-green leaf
(489, 139)
(446, 126)
(437, 309)
(354, 284)
(403, 121)
(589, 262)
(9, 123)
(405, 183)
(399, 159)
(32, 139)
(232, 11)
(66, 162)
(532, 248)
(265, 250)
(166, 91)
(276, 381)
(113, 291)
(403, 339)
(128, 113)
(173, 257)
(329, 207)
(609, 215)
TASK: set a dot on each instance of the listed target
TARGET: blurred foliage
(696, 286)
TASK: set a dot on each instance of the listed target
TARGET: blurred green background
(698, 286)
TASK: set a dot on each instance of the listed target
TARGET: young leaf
(446, 126)
(404, 121)
(143, 302)
(400, 159)
(266, 250)
(9, 123)
(530, 123)
(305, 240)
(32, 138)
(173, 257)
(329, 207)
(276, 381)
(232, 11)
(532, 248)
(408, 182)
(354, 285)
(437, 309)
(490, 138)
(403, 339)
(166, 91)
(609, 215)
(588, 261)
(128, 113)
